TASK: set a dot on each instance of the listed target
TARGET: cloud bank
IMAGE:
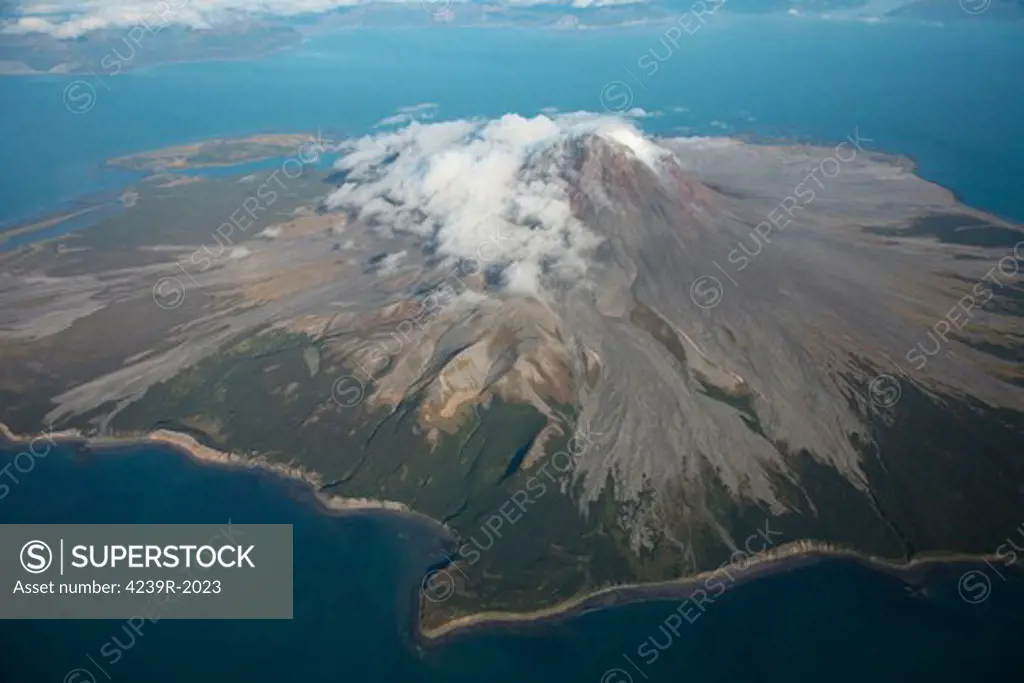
(66, 19)
(492, 191)
(73, 18)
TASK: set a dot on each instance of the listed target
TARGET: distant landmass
(113, 50)
(109, 52)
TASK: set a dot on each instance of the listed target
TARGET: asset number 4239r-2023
(173, 587)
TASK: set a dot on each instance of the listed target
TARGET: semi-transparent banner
(146, 571)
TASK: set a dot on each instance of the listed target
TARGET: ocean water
(356, 578)
(948, 96)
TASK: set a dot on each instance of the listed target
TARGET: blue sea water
(948, 96)
(356, 578)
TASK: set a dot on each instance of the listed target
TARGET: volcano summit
(595, 356)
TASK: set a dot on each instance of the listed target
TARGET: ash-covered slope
(733, 305)
(731, 333)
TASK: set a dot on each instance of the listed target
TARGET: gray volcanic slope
(720, 349)
(789, 328)
(707, 309)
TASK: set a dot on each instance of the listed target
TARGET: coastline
(176, 158)
(152, 163)
(162, 160)
(46, 222)
(790, 556)
(14, 68)
(190, 447)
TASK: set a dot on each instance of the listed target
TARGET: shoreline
(73, 71)
(791, 556)
(788, 557)
(176, 159)
(46, 222)
(202, 454)
(110, 198)
(30, 222)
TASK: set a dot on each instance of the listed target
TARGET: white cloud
(604, 3)
(269, 233)
(73, 18)
(416, 112)
(389, 264)
(419, 108)
(490, 191)
(640, 113)
(67, 19)
(396, 120)
(578, 4)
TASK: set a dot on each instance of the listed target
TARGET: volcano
(600, 357)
